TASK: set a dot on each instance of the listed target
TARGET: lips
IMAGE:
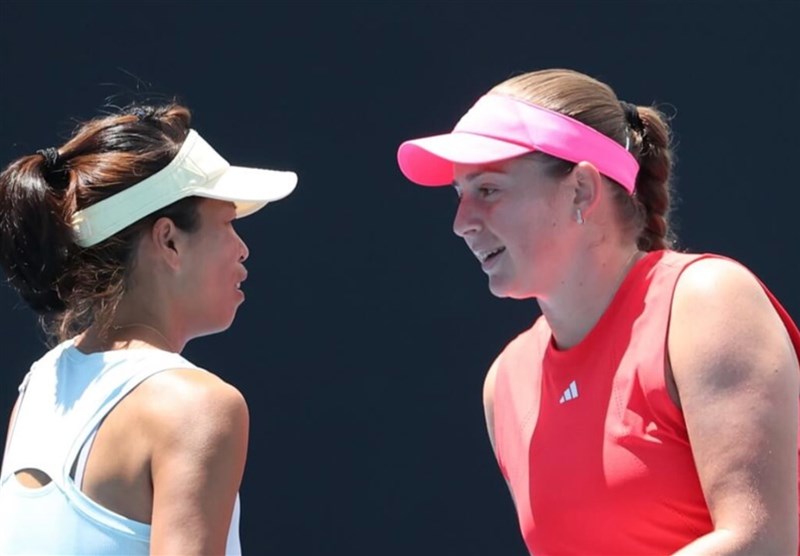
(485, 255)
(239, 283)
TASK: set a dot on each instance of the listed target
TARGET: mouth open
(240, 282)
(494, 254)
(488, 256)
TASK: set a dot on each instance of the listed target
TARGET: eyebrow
(472, 175)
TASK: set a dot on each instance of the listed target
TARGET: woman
(123, 240)
(653, 407)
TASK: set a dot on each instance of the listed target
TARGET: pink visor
(500, 127)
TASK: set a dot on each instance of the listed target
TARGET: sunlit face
(514, 218)
(212, 269)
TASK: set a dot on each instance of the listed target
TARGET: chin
(499, 289)
(505, 290)
(221, 325)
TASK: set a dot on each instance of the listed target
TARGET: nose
(467, 220)
(244, 252)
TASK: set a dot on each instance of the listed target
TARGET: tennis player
(653, 407)
(123, 240)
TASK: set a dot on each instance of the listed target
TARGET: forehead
(215, 205)
(465, 173)
(214, 208)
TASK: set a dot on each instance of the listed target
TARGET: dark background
(368, 327)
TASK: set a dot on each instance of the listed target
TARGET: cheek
(540, 249)
(531, 230)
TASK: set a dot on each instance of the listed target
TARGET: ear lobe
(588, 187)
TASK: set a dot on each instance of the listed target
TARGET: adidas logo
(570, 393)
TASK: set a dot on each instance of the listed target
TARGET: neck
(143, 333)
(126, 335)
(585, 294)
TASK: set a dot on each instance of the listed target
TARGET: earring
(579, 217)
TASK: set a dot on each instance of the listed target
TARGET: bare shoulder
(713, 278)
(722, 318)
(723, 300)
(192, 385)
(188, 402)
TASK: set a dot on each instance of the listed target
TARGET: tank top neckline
(587, 345)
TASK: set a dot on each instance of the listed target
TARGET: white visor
(197, 170)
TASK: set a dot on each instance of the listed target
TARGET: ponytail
(653, 189)
(72, 287)
(34, 238)
(641, 129)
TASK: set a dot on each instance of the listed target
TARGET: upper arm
(199, 451)
(737, 378)
(488, 412)
(11, 425)
(488, 402)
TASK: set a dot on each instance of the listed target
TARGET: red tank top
(595, 451)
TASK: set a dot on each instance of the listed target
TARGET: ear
(588, 185)
(164, 238)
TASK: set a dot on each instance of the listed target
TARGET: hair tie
(632, 116)
(53, 169)
(143, 112)
(51, 158)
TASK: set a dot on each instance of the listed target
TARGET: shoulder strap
(138, 370)
(25, 420)
(67, 396)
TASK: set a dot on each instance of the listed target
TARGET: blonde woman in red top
(653, 407)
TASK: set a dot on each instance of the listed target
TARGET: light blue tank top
(63, 399)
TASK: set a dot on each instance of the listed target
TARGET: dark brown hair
(595, 104)
(72, 287)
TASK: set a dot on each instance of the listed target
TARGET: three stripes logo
(570, 393)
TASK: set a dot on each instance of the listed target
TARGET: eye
(486, 190)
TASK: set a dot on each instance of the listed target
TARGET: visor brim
(429, 161)
(250, 189)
